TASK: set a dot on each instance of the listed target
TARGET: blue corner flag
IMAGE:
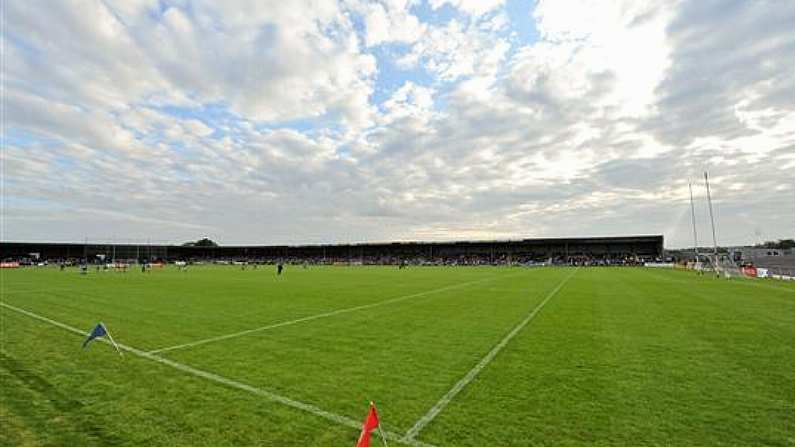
(100, 331)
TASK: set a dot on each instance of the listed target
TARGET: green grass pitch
(615, 356)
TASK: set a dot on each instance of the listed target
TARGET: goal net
(723, 265)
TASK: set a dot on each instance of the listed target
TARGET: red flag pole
(370, 423)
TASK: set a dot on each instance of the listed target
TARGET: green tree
(203, 242)
(782, 244)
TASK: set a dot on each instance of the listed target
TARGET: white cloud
(389, 22)
(210, 52)
(453, 51)
(197, 128)
(625, 38)
(410, 100)
(473, 7)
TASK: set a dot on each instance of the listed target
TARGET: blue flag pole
(101, 330)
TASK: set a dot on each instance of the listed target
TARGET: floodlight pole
(693, 218)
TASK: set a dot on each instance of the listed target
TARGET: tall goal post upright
(722, 264)
(697, 266)
(712, 219)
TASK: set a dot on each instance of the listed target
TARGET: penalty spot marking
(323, 315)
(470, 376)
(212, 377)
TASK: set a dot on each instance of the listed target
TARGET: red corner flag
(370, 424)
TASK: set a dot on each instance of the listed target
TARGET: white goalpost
(721, 263)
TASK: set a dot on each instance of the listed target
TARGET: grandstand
(589, 250)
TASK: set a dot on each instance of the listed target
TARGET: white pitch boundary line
(470, 376)
(309, 408)
(322, 315)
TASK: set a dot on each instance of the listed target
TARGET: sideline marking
(470, 376)
(323, 315)
(336, 418)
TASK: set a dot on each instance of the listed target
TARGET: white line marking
(336, 418)
(470, 376)
(322, 315)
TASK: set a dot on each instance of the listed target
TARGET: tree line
(780, 244)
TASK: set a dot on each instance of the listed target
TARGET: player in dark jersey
(279, 268)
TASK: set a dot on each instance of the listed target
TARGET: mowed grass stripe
(323, 315)
(402, 356)
(168, 307)
(485, 361)
(621, 358)
(721, 287)
(56, 394)
(309, 408)
(689, 276)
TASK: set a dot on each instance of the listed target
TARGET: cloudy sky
(310, 121)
